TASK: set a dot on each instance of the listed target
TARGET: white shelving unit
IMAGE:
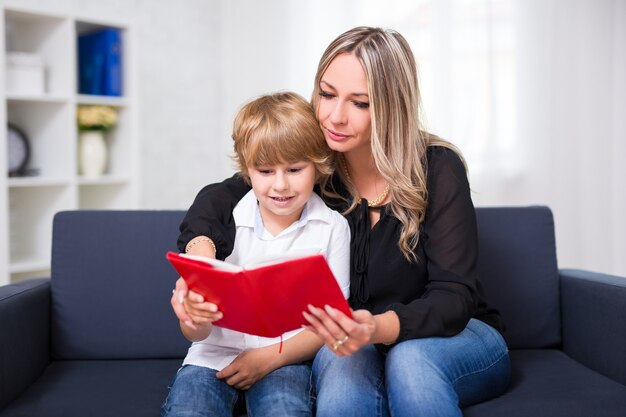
(28, 203)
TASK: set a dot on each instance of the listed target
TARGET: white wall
(199, 60)
(272, 45)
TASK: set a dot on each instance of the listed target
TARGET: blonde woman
(422, 340)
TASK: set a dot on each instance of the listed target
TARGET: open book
(267, 298)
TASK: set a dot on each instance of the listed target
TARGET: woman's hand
(340, 333)
(249, 367)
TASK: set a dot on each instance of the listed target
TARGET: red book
(266, 299)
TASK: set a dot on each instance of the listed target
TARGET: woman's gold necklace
(379, 198)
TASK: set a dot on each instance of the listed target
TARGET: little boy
(281, 151)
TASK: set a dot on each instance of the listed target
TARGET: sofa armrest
(25, 335)
(593, 311)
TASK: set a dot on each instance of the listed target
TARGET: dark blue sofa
(99, 338)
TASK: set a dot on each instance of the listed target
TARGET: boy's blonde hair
(276, 129)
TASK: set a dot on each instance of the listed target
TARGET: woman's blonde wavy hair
(399, 142)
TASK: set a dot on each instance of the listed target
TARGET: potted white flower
(93, 122)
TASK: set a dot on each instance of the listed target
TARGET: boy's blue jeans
(196, 392)
(421, 377)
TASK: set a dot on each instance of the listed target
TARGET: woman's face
(344, 105)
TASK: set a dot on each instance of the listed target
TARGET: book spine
(100, 63)
(112, 81)
(89, 64)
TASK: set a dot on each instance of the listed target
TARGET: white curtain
(534, 93)
(571, 124)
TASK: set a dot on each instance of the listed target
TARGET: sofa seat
(547, 382)
(543, 382)
(97, 388)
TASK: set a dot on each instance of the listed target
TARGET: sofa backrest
(518, 269)
(111, 285)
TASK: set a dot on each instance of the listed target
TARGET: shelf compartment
(119, 147)
(106, 179)
(48, 36)
(105, 196)
(50, 133)
(30, 215)
(88, 27)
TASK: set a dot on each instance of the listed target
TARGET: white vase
(92, 154)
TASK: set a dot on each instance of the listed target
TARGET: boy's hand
(178, 295)
(200, 311)
(249, 367)
(190, 307)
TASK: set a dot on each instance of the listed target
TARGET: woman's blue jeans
(422, 377)
(196, 392)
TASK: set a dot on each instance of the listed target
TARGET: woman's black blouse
(434, 296)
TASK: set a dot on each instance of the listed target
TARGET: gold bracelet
(199, 239)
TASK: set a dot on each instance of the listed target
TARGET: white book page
(216, 263)
(279, 257)
(257, 261)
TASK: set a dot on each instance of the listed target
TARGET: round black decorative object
(18, 151)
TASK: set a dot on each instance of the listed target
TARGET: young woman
(422, 340)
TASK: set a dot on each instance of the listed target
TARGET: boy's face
(282, 191)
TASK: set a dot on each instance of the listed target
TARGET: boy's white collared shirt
(319, 230)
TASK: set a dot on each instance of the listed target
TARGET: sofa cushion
(111, 286)
(134, 388)
(547, 382)
(518, 268)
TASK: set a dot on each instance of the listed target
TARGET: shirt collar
(247, 214)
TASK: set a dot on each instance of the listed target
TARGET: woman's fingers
(326, 327)
(346, 323)
(332, 333)
(342, 334)
(337, 323)
(315, 326)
